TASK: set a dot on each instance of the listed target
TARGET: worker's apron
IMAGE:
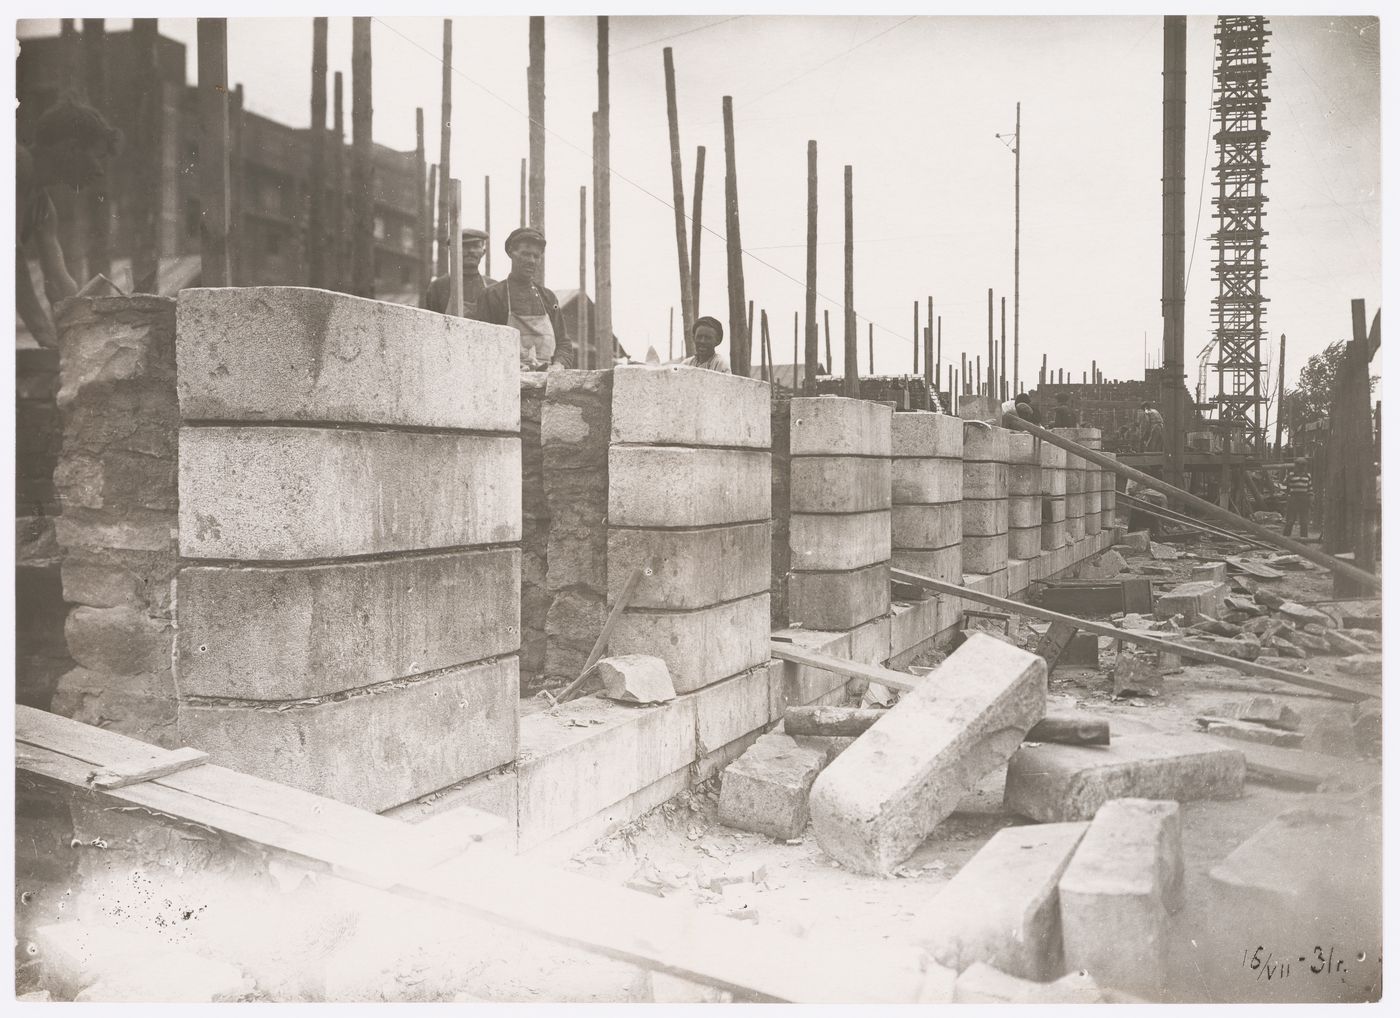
(536, 331)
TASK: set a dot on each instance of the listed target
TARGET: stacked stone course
(985, 508)
(1075, 481)
(1053, 533)
(534, 540)
(116, 482)
(840, 501)
(926, 490)
(1024, 496)
(349, 618)
(689, 498)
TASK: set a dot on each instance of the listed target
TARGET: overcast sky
(914, 105)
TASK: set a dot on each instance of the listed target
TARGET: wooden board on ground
(663, 936)
(840, 666)
(1137, 595)
(1256, 569)
(1099, 597)
(1340, 688)
(120, 775)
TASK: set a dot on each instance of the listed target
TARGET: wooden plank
(665, 936)
(1137, 595)
(601, 644)
(1100, 597)
(840, 666)
(121, 775)
(829, 720)
(1053, 644)
(1256, 569)
(1340, 688)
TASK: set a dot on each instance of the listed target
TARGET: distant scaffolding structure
(1241, 83)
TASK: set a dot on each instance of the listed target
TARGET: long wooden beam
(1339, 688)
(1208, 508)
(663, 936)
(840, 666)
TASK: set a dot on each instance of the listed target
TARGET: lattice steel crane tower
(1241, 85)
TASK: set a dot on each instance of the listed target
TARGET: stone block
(674, 405)
(926, 481)
(926, 526)
(117, 577)
(837, 426)
(844, 541)
(369, 749)
(938, 563)
(1053, 535)
(1104, 566)
(1135, 673)
(1002, 907)
(1054, 783)
(1302, 615)
(1263, 710)
(719, 486)
(1023, 543)
(283, 353)
(289, 633)
(795, 685)
(839, 484)
(691, 568)
(766, 789)
(1248, 731)
(299, 493)
(112, 341)
(1117, 891)
(1193, 600)
(985, 554)
(985, 443)
(870, 641)
(879, 800)
(974, 407)
(700, 646)
(572, 622)
(1024, 511)
(839, 600)
(923, 434)
(140, 706)
(985, 517)
(118, 641)
(730, 709)
(985, 480)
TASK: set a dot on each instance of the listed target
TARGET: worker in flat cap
(707, 335)
(530, 309)
(474, 284)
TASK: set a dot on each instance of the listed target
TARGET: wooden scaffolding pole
(148, 164)
(602, 203)
(852, 370)
(678, 201)
(697, 202)
(826, 331)
(99, 208)
(338, 250)
(586, 357)
(212, 46)
(809, 370)
(432, 205)
(423, 233)
(524, 192)
(316, 211)
(444, 209)
(362, 163)
(870, 342)
(454, 248)
(917, 337)
(535, 83)
(741, 353)
(929, 377)
(990, 379)
(1001, 376)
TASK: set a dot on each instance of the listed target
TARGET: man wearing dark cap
(1021, 407)
(527, 307)
(474, 284)
(708, 335)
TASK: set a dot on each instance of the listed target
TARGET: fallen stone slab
(1115, 895)
(636, 678)
(829, 746)
(879, 800)
(1245, 650)
(1210, 572)
(1138, 540)
(1360, 664)
(1368, 639)
(766, 789)
(1103, 566)
(1002, 908)
(1264, 710)
(1248, 731)
(1072, 729)
(1268, 599)
(1135, 673)
(1052, 783)
(984, 984)
(1341, 643)
(1302, 615)
(1163, 552)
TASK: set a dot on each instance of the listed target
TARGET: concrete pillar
(986, 509)
(1052, 488)
(926, 492)
(350, 519)
(1024, 496)
(115, 480)
(840, 526)
(689, 498)
(1075, 480)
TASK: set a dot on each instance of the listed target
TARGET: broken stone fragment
(636, 678)
(1163, 552)
(1341, 643)
(1248, 731)
(1135, 673)
(1361, 664)
(1138, 540)
(1103, 566)
(1264, 710)
(1301, 615)
(766, 789)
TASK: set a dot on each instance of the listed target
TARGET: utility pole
(361, 164)
(678, 200)
(697, 204)
(445, 152)
(212, 45)
(602, 200)
(424, 231)
(849, 332)
(809, 377)
(1174, 256)
(535, 82)
(99, 218)
(1001, 375)
(734, 252)
(149, 171)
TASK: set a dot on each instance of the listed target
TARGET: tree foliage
(1311, 398)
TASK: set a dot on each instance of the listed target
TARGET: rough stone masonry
(349, 530)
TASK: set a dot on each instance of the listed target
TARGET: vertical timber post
(678, 201)
(445, 151)
(99, 218)
(535, 83)
(212, 45)
(583, 345)
(144, 233)
(697, 202)
(849, 332)
(1174, 253)
(809, 370)
(316, 214)
(362, 165)
(424, 228)
(602, 201)
(734, 252)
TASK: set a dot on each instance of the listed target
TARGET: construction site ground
(680, 847)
